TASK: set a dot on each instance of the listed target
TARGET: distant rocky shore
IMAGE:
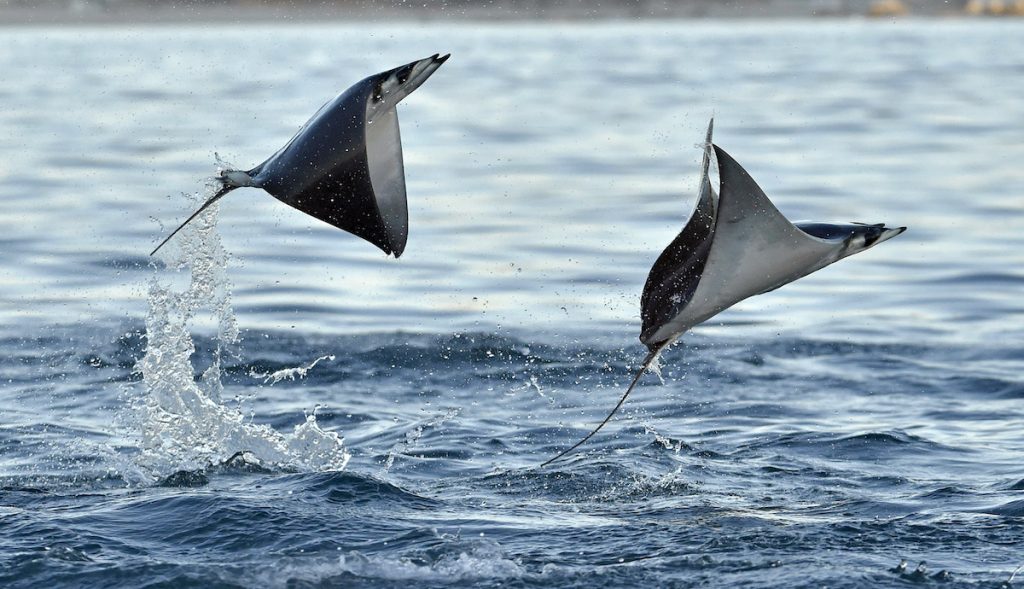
(123, 11)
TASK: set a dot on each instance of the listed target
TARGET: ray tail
(648, 361)
(223, 190)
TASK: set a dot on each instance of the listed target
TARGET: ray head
(392, 86)
(854, 237)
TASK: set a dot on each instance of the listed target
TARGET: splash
(180, 421)
(655, 368)
(277, 376)
(666, 442)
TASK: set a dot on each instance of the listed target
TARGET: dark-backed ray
(344, 166)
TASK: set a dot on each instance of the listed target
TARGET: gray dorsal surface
(752, 248)
(736, 244)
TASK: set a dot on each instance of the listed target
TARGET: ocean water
(273, 403)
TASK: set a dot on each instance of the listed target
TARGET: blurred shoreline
(24, 12)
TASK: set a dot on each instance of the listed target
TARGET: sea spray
(412, 436)
(277, 376)
(179, 420)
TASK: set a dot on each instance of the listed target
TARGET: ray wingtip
(718, 151)
(396, 248)
(723, 157)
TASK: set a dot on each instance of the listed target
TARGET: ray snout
(412, 76)
(886, 234)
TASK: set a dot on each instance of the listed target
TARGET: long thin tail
(643, 369)
(224, 189)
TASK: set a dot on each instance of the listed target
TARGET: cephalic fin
(224, 189)
(648, 362)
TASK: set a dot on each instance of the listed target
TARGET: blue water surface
(272, 403)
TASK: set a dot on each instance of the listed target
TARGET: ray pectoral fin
(387, 177)
(648, 361)
(220, 193)
(707, 147)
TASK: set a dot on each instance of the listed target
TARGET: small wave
(1013, 509)
(453, 560)
(590, 481)
(808, 348)
(482, 559)
(240, 463)
(354, 489)
(67, 553)
(883, 438)
(562, 482)
(946, 492)
(860, 446)
(977, 279)
(999, 388)
(184, 479)
(643, 488)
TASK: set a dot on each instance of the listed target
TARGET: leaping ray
(344, 166)
(736, 244)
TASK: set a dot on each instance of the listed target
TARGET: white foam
(484, 561)
(476, 560)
